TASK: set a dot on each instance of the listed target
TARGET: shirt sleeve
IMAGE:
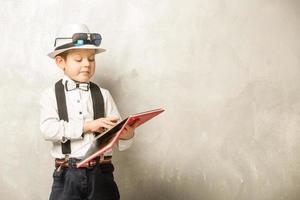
(51, 126)
(112, 110)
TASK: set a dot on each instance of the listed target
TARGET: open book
(106, 140)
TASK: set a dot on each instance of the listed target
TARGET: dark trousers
(96, 183)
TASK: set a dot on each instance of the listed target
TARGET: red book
(106, 140)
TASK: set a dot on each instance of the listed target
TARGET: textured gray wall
(226, 71)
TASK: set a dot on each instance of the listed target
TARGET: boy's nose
(85, 62)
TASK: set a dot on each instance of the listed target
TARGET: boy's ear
(60, 62)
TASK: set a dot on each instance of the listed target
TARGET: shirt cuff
(73, 130)
(124, 144)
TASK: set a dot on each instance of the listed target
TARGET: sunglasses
(79, 39)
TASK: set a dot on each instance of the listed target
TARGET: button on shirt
(80, 109)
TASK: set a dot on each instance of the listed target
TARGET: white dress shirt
(80, 109)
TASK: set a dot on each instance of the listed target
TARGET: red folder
(106, 140)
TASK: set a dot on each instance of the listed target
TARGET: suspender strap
(62, 112)
(98, 102)
(97, 98)
(98, 107)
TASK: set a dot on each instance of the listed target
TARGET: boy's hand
(100, 125)
(128, 131)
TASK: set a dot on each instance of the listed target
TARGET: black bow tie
(71, 85)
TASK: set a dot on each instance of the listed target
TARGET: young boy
(73, 111)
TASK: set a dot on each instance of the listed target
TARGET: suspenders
(98, 107)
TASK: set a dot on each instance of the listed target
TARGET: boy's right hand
(100, 125)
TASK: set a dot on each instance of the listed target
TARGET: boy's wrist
(86, 127)
(127, 137)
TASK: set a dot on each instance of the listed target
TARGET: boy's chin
(82, 79)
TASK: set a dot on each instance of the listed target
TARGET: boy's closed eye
(78, 59)
(91, 58)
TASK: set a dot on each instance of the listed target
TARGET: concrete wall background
(226, 71)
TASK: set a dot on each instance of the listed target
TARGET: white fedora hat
(63, 40)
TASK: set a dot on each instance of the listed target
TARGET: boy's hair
(63, 55)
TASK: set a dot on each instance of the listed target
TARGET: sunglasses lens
(97, 42)
(79, 38)
(96, 39)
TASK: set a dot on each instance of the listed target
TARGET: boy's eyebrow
(77, 55)
(91, 55)
(82, 55)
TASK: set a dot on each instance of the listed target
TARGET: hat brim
(88, 46)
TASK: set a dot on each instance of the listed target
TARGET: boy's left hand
(128, 131)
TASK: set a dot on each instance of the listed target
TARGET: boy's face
(79, 64)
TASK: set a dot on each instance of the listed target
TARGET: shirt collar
(67, 78)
